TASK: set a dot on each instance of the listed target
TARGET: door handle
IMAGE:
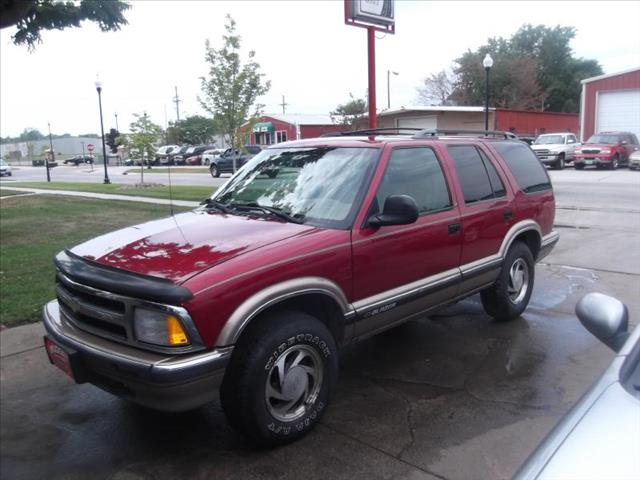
(454, 228)
(508, 214)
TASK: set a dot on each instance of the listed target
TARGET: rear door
(486, 211)
(404, 269)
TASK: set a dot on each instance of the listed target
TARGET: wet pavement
(453, 396)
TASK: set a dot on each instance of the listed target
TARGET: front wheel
(509, 296)
(578, 166)
(614, 162)
(214, 170)
(560, 162)
(280, 378)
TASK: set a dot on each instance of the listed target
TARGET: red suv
(314, 244)
(606, 150)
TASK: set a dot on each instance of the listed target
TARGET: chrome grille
(590, 150)
(98, 315)
(542, 153)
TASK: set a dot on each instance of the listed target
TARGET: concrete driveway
(452, 396)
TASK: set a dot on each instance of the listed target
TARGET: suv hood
(176, 248)
(599, 145)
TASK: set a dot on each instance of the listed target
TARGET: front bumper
(593, 160)
(160, 381)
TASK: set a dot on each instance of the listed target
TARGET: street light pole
(46, 157)
(117, 129)
(104, 148)
(487, 63)
(389, 72)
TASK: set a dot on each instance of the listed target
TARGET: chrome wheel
(293, 383)
(518, 281)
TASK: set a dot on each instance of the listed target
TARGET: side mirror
(605, 317)
(624, 142)
(398, 210)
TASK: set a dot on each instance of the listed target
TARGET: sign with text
(379, 14)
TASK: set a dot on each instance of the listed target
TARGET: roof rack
(476, 133)
(375, 131)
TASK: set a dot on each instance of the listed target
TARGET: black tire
(505, 300)
(578, 166)
(559, 165)
(613, 165)
(214, 170)
(253, 375)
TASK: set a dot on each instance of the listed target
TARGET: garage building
(611, 103)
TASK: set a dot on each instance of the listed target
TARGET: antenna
(170, 190)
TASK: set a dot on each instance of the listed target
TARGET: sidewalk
(104, 196)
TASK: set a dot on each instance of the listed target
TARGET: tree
(193, 130)
(144, 134)
(232, 87)
(31, 17)
(534, 69)
(30, 134)
(110, 139)
(351, 112)
(436, 89)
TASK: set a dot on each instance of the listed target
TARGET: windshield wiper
(271, 210)
(210, 202)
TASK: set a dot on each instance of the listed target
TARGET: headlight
(159, 328)
(605, 151)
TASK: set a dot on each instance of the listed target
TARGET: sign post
(375, 16)
(90, 147)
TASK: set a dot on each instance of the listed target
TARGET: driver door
(403, 269)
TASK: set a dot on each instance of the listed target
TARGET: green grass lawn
(36, 227)
(8, 193)
(166, 170)
(180, 192)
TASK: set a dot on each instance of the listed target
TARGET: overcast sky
(304, 48)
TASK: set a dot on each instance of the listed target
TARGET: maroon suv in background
(312, 245)
(606, 150)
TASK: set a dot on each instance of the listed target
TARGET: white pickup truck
(555, 149)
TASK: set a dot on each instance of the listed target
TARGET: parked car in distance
(634, 160)
(255, 290)
(606, 150)
(163, 152)
(175, 155)
(79, 159)
(194, 157)
(600, 436)
(555, 149)
(224, 162)
(41, 163)
(209, 155)
(5, 169)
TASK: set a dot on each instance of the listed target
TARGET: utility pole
(117, 122)
(283, 105)
(46, 157)
(177, 101)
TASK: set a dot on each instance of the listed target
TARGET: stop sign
(90, 147)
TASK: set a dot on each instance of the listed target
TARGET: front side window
(415, 172)
(320, 186)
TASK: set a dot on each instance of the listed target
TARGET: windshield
(607, 139)
(320, 186)
(549, 140)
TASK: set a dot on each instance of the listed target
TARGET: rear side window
(525, 166)
(478, 177)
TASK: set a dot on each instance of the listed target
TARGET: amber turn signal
(175, 332)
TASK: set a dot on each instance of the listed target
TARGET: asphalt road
(452, 396)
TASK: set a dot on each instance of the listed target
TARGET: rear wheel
(280, 378)
(509, 296)
(214, 170)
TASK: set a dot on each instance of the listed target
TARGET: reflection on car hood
(178, 247)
